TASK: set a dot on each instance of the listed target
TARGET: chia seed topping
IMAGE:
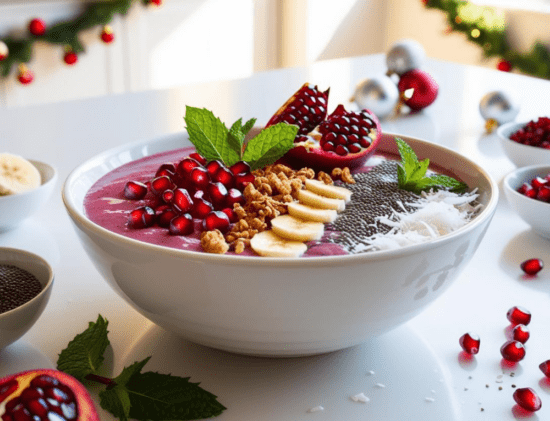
(17, 286)
(375, 194)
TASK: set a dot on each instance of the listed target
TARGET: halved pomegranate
(344, 139)
(45, 395)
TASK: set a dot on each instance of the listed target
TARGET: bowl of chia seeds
(25, 285)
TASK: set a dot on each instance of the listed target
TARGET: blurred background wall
(189, 41)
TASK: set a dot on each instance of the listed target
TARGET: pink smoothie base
(106, 206)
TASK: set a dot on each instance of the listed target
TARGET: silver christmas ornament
(498, 106)
(3, 50)
(378, 94)
(405, 55)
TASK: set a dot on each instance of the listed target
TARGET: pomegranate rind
(86, 407)
(312, 156)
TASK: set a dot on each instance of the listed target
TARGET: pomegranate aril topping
(182, 200)
(134, 190)
(168, 196)
(160, 184)
(216, 220)
(199, 177)
(213, 166)
(198, 157)
(224, 176)
(545, 368)
(234, 196)
(201, 208)
(230, 214)
(543, 194)
(532, 194)
(528, 399)
(186, 165)
(532, 266)
(240, 167)
(242, 180)
(520, 333)
(182, 225)
(164, 218)
(524, 188)
(519, 315)
(470, 343)
(218, 194)
(513, 351)
(538, 182)
(141, 217)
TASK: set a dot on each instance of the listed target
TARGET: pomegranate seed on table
(520, 333)
(182, 225)
(519, 315)
(528, 399)
(182, 200)
(532, 266)
(216, 220)
(512, 351)
(134, 190)
(142, 217)
(545, 368)
(470, 343)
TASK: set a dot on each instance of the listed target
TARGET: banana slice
(315, 200)
(328, 190)
(17, 175)
(267, 243)
(291, 228)
(309, 213)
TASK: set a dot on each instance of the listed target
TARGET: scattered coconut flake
(316, 409)
(360, 397)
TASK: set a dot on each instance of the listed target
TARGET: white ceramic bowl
(521, 155)
(15, 208)
(276, 306)
(15, 323)
(535, 212)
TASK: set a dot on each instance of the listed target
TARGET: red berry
(182, 200)
(141, 217)
(528, 399)
(513, 351)
(216, 220)
(182, 225)
(218, 194)
(134, 190)
(70, 58)
(201, 208)
(198, 157)
(160, 184)
(532, 266)
(545, 368)
(37, 27)
(199, 178)
(520, 333)
(470, 343)
(240, 167)
(519, 315)
(242, 179)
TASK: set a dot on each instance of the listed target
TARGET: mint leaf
(269, 145)
(84, 354)
(411, 174)
(154, 396)
(209, 135)
(248, 125)
(237, 134)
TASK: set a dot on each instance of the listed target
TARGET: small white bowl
(521, 155)
(535, 212)
(15, 323)
(15, 208)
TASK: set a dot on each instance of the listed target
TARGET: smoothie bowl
(276, 306)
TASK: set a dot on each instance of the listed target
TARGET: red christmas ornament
(25, 76)
(3, 50)
(156, 2)
(70, 58)
(107, 35)
(37, 27)
(504, 66)
(418, 89)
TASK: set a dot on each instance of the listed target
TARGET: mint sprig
(213, 140)
(411, 173)
(133, 394)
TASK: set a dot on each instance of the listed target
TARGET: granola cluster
(273, 188)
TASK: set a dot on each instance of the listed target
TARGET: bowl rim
(43, 184)
(505, 138)
(356, 258)
(45, 288)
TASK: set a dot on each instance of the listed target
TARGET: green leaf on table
(411, 173)
(154, 396)
(209, 135)
(269, 145)
(84, 354)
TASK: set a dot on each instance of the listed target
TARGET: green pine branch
(493, 40)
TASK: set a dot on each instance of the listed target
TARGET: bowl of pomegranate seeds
(526, 143)
(527, 190)
(25, 185)
(25, 286)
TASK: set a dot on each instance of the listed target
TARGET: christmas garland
(18, 50)
(487, 28)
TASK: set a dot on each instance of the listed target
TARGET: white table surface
(412, 373)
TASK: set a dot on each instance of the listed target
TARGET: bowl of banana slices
(25, 185)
